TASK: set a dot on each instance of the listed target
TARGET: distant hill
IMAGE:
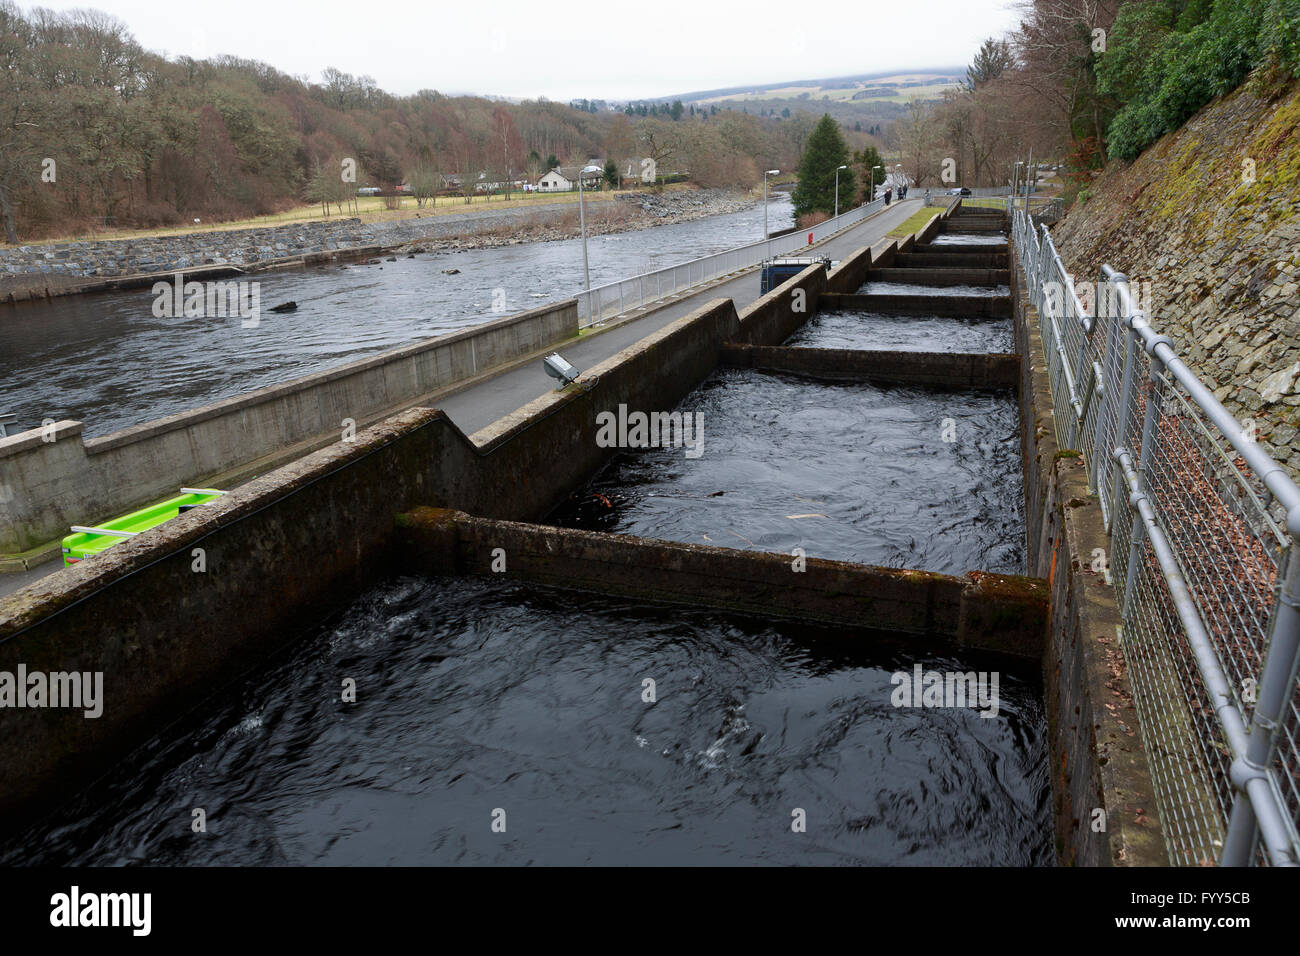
(867, 102)
(923, 84)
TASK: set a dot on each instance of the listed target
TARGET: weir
(414, 494)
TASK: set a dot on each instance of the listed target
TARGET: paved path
(483, 403)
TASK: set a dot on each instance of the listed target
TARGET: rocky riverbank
(627, 213)
(31, 272)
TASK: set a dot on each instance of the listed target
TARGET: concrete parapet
(963, 306)
(990, 612)
(929, 369)
(50, 480)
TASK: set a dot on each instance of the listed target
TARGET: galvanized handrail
(614, 298)
(1186, 437)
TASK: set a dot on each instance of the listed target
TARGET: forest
(1084, 81)
(97, 132)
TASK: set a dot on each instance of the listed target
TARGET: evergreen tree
(823, 154)
(611, 173)
(868, 159)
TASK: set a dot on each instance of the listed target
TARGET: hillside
(862, 101)
(1219, 246)
(921, 83)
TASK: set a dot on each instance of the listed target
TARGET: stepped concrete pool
(474, 697)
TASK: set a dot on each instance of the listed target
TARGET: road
(483, 403)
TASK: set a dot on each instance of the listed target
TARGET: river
(106, 360)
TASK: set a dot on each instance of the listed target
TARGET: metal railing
(1042, 208)
(606, 301)
(1201, 523)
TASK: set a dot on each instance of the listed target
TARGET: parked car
(959, 191)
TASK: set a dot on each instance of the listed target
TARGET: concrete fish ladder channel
(414, 493)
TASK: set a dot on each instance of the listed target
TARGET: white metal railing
(1042, 208)
(606, 301)
(1201, 522)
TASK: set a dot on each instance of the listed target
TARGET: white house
(564, 178)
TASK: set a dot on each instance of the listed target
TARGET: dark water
(907, 333)
(107, 361)
(851, 472)
(970, 239)
(478, 696)
(915, 288)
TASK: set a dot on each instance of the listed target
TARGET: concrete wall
(926, 369)
(280, 550)
(776, 316)
(851, 272)
(45, 486)
(1097, 758)
(1002, 613)
(966, 306)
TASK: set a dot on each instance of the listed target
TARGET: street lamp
(766, 173)
(837, 189)
(873, 181)
(582, 219)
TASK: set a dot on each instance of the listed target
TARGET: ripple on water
(906, 333)
(496, 696)
(847, 471)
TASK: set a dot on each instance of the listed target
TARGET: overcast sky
(602, 49)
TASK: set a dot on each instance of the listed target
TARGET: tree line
(95, 131)
(1082, 81)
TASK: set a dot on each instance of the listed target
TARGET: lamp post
(873, 181)
(582, 219)
(766, 173)
(837, 190)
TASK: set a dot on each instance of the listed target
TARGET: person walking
(888, 192)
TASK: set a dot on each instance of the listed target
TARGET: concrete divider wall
(943, 370)
(1097, 759)
(45, 486)
(1001, 613)
(775, 317)
(850, 273)
(280, 550)
(981, 306)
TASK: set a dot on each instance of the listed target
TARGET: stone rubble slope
(1210, 217)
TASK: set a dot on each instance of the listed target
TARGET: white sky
(613, 49)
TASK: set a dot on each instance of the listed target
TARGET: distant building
(565, 178)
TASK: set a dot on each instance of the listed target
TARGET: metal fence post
(1108, 311)
(1128, 392)
(1149, 423)
(1277, 680)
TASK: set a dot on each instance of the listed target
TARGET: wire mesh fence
(1201, 522)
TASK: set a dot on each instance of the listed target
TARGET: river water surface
(106, 360)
